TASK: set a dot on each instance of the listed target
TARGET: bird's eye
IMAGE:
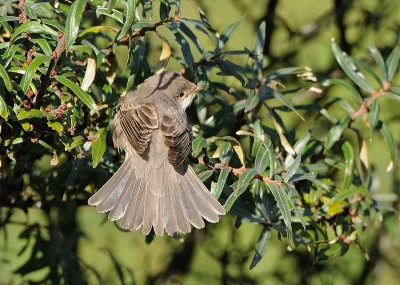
(181, 94)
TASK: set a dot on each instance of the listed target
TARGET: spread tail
(160, 198)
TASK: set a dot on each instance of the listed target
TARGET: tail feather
(107, 196)
(160, 198)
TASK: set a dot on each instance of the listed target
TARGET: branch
(60, 48)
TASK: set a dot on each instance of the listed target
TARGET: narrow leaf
(216, 188)
(99, 147)
(350, 69)
(73, 22)
(292, 168)
(379, 60)
(392, 63)
(4, 112)
(226, 34)
(85, 97)
(348, 153)
(31, 70)
(373, 116)
(336, 131)
(285, 102)
(6, 79)
(185, 48)
(387, 136)
(164, 56)
(262, 159)
(130, 16)
(261, 246)
(89, 74)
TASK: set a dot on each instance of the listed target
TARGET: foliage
(63, 66)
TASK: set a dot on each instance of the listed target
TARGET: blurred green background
(299, 35)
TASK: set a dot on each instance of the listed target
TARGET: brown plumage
(155, 186)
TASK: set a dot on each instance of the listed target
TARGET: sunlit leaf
(89, 74)
(373, 115)
(216, 188)
(379, 60)
(387, 136)
(73, 22)
(85, 97)
(348, 153)
(31, 70)
(6, 78)
(392, 63)
(98, 146)
(350, 69)
(164, 56)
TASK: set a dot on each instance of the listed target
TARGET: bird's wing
(137, 123)
(177, 133)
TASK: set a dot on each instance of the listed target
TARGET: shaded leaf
(261, 246)
(216, 188)
(185, 48)
(336, 131)
(392, 63)
(373, 115)
(387, 136)
(6, 79)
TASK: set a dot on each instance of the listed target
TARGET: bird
(155, 187)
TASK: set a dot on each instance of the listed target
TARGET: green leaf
(6, 78)
(392, 63)
(130, 16)
(261, 246)
(292, 168)
(287, 191)
(298, 147)
(31, 70)
(192, 37)
(82, 95)
(138, 55)
(185, 48)
(73, 22)
(25, 114)
(55, 126)
(226, 34)
(262, 159)
(348, 193)
(280, 198)
(44, 45)
(74, 142)
(379, 60)
(99, 146)
(348, 153)
(373, 116)
(225, 152)
(216, 188)
(32, 26)
(284, 101)
(280, 73)
(387, 136)
(253, 99)
(350, 69)
(4, 112)
(368, 69)
(346, 85)
(239, 187)
(336, 131)
(197, 145)
(115, 14)
(258, 50)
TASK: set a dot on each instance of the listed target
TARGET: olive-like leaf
(262, 159)
(392, 63)
(348, 153)
(388, 138)
(227, 33)
(31, 70)
(99, 146)
(373, 115)
(4, 112)
(185, 48)
(261, 246)
(82, 95)
(379, 60)
(32, 26)
(130, 16)
(216, 188)
(73, 22)
(336, 131)
(6, 78)
(348, 66)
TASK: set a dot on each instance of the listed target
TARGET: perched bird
(155, 186)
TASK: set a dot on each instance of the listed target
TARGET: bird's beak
(200, 87)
